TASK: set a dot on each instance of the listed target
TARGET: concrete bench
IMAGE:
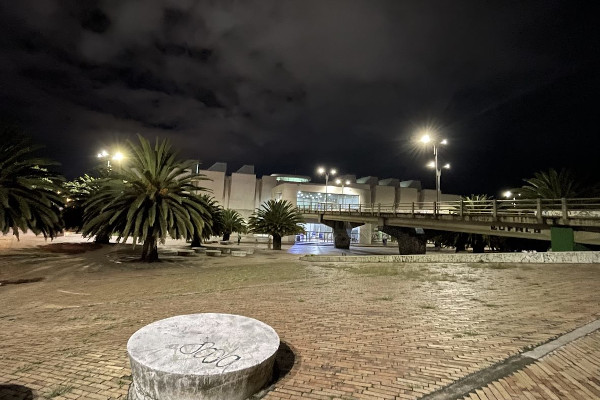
(238, 253)
(185, 253)
(213, 253)
(201, 356)
(199, 250)
(226, 251)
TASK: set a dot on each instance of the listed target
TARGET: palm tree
(475, 204)
(232, 221)
(277, 218)
(29, 190)
(215, 210)
(76, 192)
(149, 198)
(550, 185)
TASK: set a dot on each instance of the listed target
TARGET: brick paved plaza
(358, 331)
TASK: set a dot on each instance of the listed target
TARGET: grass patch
(405, 273)
(59, 391)
(492, 266)
(491, 305)
(24, 368)
(384, 298)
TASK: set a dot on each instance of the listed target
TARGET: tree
(76, 192)
(232, 221)
(29, 188)
(277, 218)
(149, 198)
(550, 185)
(215, 210)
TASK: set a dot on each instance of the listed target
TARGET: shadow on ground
(15, 392)
(284, 362)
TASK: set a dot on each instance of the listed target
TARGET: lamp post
(342, 182)
(427, 139)
(118, 156)
(326, 172)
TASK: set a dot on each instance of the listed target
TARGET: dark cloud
(285, 84)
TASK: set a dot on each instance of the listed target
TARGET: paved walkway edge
(566, 257)
(480, 379)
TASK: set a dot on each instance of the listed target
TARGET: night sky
(288, 85)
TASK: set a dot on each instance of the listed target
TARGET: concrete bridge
(564, 222)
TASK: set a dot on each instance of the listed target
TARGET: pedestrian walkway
(357, 331)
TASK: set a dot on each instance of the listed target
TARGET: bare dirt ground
(357, 331)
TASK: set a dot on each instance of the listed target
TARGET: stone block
(238, 253)
(213, 253)
(201, 357)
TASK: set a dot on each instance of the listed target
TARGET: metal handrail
(565, 208)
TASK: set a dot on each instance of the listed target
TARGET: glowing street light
(118, 156)
(428, 139)
(326, 172)
(342, 182)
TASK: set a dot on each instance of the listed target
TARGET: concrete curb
(567, 257)
(484, 377)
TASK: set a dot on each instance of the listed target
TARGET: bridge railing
(538, 208)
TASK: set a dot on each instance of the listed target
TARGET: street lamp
(426, 140)
(342, 182)
(104, 155)
(326, 172)
(118, 156)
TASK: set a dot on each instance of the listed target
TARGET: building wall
(242, 193)
(428, 195)
(267, 183)
(407, 195)
(215, 183)
(385, 195)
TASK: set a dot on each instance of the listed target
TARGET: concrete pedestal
(185, 252)
(213, 253)
(201, 357)
(199, 250)
(238, 253)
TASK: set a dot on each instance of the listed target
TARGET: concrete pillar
(341, 234)
(410, 240)
(365, 234)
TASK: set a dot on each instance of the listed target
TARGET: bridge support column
(562, 239)
(341, 233)
(410, 240)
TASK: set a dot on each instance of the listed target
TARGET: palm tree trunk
(150, 250)
(276, 242)
(226, 236)
(196, 240)
(102, 238)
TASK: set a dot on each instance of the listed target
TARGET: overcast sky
(288, 85)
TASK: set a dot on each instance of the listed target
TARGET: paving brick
(358, 331)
